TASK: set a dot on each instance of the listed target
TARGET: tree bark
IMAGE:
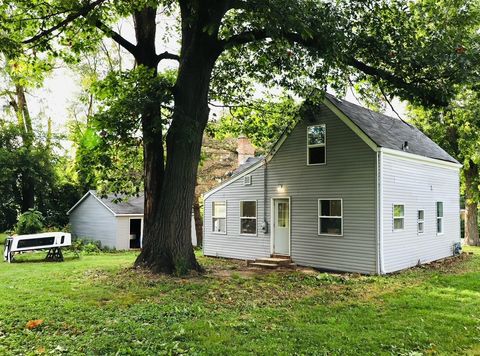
(25, 124)
(167, 236)
(198, 221)
(471, 205)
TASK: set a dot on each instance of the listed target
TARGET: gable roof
(132, 206)
(389, 132)
(375, 129)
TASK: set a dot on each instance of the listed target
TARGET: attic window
(316, 144)
(247, 180)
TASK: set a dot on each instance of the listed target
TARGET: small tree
(30, 222)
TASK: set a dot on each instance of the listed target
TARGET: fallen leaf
(32, 324)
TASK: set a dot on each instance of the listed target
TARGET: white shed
(116, 225)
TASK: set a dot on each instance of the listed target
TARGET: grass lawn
(98, 305)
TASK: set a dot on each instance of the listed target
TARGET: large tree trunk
(197, 216)
(27, 182)
(167, 245)
(471, 204)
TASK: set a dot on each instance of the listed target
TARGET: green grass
(99, 305)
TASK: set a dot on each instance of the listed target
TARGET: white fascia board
(234, 179)
(346, 120)
(130, 215)
(279, 143)
(421, 159)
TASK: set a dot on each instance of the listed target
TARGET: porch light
(280, 188)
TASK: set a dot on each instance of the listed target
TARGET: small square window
(247, 180)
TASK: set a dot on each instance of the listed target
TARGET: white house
(115, 224)
(345, 189)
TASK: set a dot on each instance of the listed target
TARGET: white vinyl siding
(418, 186)
(316, 144)
(219, 217)
(330, 217)
(350, 174)
(233, 244)
(93, 221)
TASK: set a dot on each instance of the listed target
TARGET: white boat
(52, 241)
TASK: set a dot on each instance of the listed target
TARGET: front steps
(273, 262)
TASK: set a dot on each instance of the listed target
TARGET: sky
(63, 87)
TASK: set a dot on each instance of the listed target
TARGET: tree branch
(244, 38)
(398, 82)
(318, 44)
(168, 55)
(130, 47)
(73, 16)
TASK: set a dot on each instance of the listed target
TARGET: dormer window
(316, 144)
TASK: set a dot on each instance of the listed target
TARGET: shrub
(30, 222)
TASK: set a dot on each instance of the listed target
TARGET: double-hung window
(219, 217)
(248, 217)
(330, 217)
(439, 217)
(398, 217)
(421, 221)
(316, 144)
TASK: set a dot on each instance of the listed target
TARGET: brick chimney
(245, 149)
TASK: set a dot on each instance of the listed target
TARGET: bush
(88, 247)
(30, 222)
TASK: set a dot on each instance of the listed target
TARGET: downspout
(265, 177)
(380, 265)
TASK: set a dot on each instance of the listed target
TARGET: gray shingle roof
(390, 132)
(248, 163)
(133, 205)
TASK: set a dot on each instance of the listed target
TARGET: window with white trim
(248, 217)
(219, 217)
(316, 144)
(398, 217)
(330, 217)
(439, 217)
(421, 221)
(247, 180)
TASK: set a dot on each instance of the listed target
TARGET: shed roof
(390, 132)
(132, 206)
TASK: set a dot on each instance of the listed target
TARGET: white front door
(281, 226)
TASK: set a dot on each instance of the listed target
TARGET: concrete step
(284, 262)
(275, 255)
(264, 265)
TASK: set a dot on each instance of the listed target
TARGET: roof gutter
(422, 159)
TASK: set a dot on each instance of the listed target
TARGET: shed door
(281, 227)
